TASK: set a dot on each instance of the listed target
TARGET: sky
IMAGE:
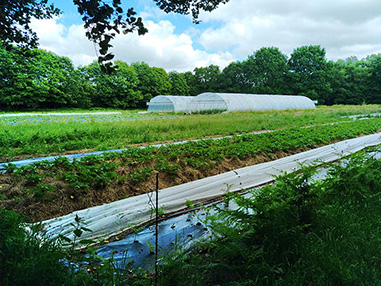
(230, 33)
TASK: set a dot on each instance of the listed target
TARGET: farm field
(38, 136)
(49, 189)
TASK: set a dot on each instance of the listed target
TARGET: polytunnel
(169, 103)
(239, 101)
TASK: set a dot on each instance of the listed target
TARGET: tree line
(38, 79)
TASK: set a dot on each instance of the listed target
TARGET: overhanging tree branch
(103, 20)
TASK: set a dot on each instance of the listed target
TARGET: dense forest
(38, 79)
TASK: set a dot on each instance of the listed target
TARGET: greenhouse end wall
(169, 103)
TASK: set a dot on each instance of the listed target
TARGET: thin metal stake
(157, 229)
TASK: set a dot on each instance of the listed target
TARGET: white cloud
(70, 42)
(342, 27)
(160, 47)
(232, 32)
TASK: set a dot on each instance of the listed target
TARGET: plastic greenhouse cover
(112, 219)
(239, 101)
(169, 103)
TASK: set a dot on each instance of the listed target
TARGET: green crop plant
(25, 258)
(168, 168)
(197, 159)
(42, 191)
(140, 175)
(298, 231)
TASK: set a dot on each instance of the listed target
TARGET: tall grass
(58, 137)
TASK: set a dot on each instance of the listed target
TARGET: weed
(189, 204)
(42, 191)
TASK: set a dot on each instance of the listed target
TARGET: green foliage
(140, 175)
(42, 191)
(266, 70)
(86, 173)
(309, 77)
(94, 173)
(297, 232)
(15, 17)
(152, 81)
(35, 79)
(26, 258)
(235, 78)
(206, 79)
(209, 111)
(61, 136)
(348, 83)
(168, 168)
(374, 95)
(179, 85)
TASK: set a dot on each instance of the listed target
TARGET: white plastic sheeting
(240, 102)
(114, 218)
(169, 103)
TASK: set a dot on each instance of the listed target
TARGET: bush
(26, 258)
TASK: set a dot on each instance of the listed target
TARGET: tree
(103, 20)
(374, 96)
(191, 82)
(349, 82)
(116, 90)
(35, 79)
(309, 72)
(266, 70)
(207, 79)
(179, 84)
(152, 81)
(234, 79)
(15, 17)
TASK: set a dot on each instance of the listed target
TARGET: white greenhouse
(238, 101)
(169, 103)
